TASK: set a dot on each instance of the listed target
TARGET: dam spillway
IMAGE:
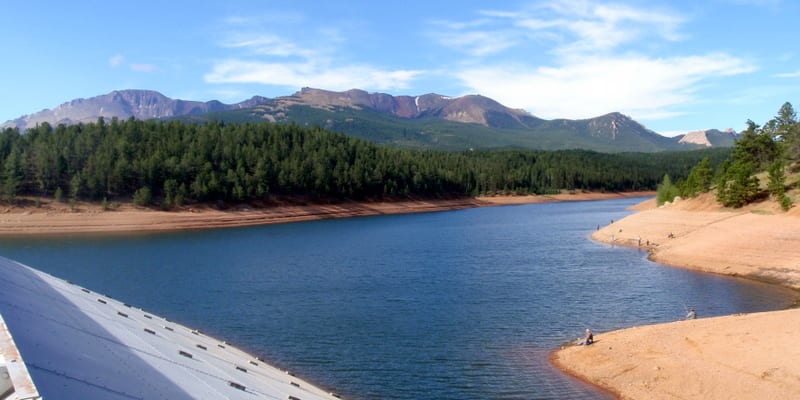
(79, 344)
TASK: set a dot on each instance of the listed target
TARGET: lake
(461, 304)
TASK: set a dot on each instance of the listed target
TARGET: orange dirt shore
(752, 356)
(58, 218)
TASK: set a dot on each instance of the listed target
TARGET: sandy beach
(751, 356)
(52, 217)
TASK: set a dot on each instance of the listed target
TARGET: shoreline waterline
(677, 358)
(462, 308)
(85, 218)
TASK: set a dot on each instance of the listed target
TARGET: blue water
(452, 305)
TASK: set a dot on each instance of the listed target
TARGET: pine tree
(738, 186)
(12, 171)
(666, 191)
(777, 180)
(699, 179)
(143, 197)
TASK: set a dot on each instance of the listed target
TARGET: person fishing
(587, 339)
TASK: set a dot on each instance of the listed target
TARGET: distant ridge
(123, 104)
(466, 109)
(710, 138)
(430, 121)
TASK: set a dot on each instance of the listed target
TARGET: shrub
(786, 202)
(143, 197)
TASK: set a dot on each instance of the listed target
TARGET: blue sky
(674, 66)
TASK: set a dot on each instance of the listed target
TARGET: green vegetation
(737, 186)
(666, 191)
(143, 196)
(173, 163)
(770, 149)
(699, 179)
(434, 133)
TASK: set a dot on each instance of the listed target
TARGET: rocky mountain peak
(612, 124)
(710, 137)
(123, 104)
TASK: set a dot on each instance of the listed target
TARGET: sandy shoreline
(735, 357)
(752, 356)
(85, 218)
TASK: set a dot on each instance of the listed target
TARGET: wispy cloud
(570, 27)
(266, 44)
(308, 73)
(264, 57)
(640, 86)
(795, 74)
(479, 38)
(598, 59)
(144, 67)
(757, 3)
(590, 26)
(116, 60)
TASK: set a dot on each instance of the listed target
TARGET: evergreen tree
(777, 180)
(699, 179)
(666, 191)
(143, 196)
(756, 147)
(181, 162)
(75, 185)
(786, 115)
(12, 171)
(738, 186)
(788, 130)
(777, 185)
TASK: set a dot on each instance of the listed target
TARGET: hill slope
(428, 121)
(447, 123)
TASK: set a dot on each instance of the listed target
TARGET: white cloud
(477, 38)
(597, 62)
(645, 87)
(144, 67)
(795, 74)
(270, 59)
(116, 60)
(591, 26)
(757, 3)
(266, 45)
(572, 26)
(309, 74)
(478, 43)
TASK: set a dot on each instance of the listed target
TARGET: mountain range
(430, 121)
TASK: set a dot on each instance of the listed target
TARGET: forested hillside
(173, 163)
(757, 168)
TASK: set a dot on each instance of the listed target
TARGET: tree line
(170, 163)
(772, 149)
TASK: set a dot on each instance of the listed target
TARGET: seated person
(586, 340)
